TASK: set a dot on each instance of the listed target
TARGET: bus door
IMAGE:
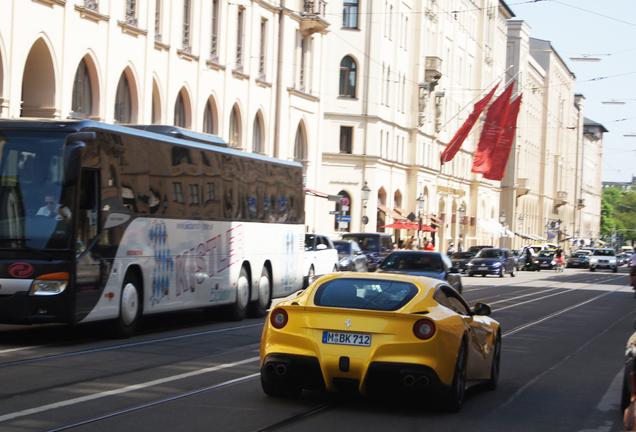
(90, 268)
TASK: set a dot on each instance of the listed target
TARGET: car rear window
(368, 294)
(489, 253)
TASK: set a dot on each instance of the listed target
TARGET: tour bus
(108, 222)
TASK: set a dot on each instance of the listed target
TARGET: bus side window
(89, 207)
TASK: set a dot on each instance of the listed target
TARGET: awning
(494, 228)
(387, 211)
(532, 237)
(312, 192)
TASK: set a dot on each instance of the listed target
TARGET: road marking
(131, 388)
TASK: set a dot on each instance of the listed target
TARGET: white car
(321, 257)
(603, 258)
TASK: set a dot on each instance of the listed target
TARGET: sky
(603, 30)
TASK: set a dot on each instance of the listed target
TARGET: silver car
(603, 258)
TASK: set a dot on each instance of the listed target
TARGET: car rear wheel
(503, 272)
(280, 391)
(455, 397)
(514, 272)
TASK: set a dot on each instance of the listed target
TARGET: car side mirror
(482, 309)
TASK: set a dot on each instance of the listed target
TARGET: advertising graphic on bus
(103, 222)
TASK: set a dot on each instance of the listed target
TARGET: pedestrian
(451, 249)
(631, 262)
(429, 246)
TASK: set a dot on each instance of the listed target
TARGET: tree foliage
(618, 212)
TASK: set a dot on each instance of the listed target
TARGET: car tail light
(279, 318)
(424, 329)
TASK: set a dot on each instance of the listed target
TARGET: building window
(261, 62)
(194, 194)
(239, 39)
(158, 20)
(348, 77)
(177, 192)
(208, 119)
(303, 55)
(123, 102)
(186, 26)
(388, 85)
(235, 133)
(82, 94)
(131, 12)
(346, 135)
(299, 145)
(256, 138)
(180, 111)
(209, 192)
(214, 53)
(350, 14)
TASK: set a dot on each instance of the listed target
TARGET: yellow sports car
(378, 334)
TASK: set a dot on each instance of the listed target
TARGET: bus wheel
(129, 307)
(237, 310)
(258, 308)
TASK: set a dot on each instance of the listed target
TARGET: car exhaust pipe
(422, 381)
(281, 369)
(270, 368)
(409, 380)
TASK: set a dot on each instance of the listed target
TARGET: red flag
(490, 134)
(502, 151)
(453, 146)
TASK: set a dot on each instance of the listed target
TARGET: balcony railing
(315, 7)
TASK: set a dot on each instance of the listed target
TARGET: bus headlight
(49, 284)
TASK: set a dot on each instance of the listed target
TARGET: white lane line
(131, 388)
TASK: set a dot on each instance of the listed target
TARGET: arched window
(123, 102)
(256, 138)
(234, 139)
(180, 112)
(208, 119)
(348, 77)
(156, 104)
(82, 105)
(299, 145)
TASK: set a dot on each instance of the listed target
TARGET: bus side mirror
(73, 151)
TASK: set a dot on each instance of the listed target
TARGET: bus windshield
(33, 211)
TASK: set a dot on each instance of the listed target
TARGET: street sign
(346, 218)
(334, 198)
(336, 212)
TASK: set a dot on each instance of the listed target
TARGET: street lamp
(420, 207)
(502, 221)
(366, 190)
(462, 212)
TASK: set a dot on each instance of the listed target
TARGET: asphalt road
(564, 338)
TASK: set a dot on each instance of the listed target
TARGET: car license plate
(483, 268)
(346, 338)
(545, 265)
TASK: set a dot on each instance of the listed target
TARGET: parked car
(351, 257)
(603, 258)
(321, 257)
(423, 263)
(493, 261)
(376, 246)
(546, 259)
(475, 249)
(460, 259)
(380, 334)
(580, 258)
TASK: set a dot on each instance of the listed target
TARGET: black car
(546, 259)
(350, 256)
(376, 246)
(460, 259)
(521, 257)
(579, 259)
(475, 249)
(423, 263)
(493, 261)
